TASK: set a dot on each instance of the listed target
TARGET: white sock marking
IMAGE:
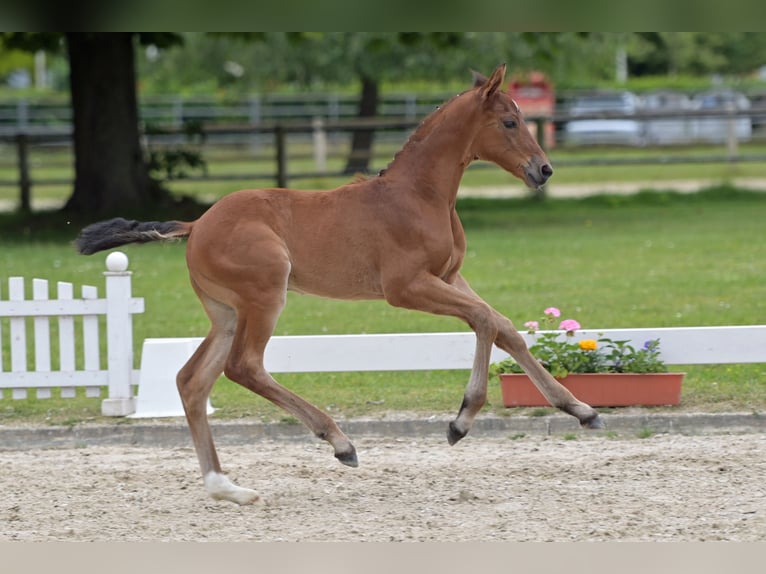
(219, 487)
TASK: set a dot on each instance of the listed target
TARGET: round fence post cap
(117, 261)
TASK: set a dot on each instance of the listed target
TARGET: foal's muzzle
(538, 171)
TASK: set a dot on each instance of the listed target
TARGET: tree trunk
(361, 141)
(111, 174)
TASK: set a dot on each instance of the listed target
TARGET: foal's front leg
(475, 392)
(433, 295)
(509, 339)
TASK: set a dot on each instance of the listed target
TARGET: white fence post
(731, 130)
(42, 336)
(320, 144)
(18, 334)
(67, 363)
(119, 337)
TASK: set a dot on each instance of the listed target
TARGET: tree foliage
(111, 172)
(696, 53)
(327, 60)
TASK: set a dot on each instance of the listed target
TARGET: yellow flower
(588, 345)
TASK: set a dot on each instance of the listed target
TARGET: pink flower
(532, 325)
(569, 325)
(552, 311)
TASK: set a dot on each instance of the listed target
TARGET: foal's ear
(479, 79)
(491, 85)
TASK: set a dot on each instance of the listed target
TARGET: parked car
(672, 129)
(716, 129)
(606, 130)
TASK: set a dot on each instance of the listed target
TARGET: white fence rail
(162, 358)
(67, 369)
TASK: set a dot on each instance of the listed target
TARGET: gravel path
(529, 488)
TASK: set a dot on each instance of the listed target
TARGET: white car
(674, 128)
(716, 129)
(605, 130)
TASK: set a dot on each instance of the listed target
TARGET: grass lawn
(650, 260)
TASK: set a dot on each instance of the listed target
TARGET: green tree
(695, 53)
(371, 57)
(111, 172)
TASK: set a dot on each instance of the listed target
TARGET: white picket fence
(70, 370)
(162, 358)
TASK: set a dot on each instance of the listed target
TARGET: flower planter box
(599, 389)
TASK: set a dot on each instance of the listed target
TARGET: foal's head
(504, 138)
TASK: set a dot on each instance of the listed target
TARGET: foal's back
(331, 240)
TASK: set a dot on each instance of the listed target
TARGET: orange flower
(588, 345)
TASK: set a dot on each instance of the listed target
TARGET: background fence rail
(272, 149)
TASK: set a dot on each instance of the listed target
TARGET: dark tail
(119, 231)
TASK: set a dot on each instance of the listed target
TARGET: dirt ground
(531, 488)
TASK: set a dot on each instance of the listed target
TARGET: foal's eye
(510, 123)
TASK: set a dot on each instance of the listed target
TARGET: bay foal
(396, 236)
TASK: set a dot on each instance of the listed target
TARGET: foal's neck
(433, 159)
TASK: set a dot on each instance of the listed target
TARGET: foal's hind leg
(195, 380)
(245, 366)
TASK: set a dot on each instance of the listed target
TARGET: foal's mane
(425, 127)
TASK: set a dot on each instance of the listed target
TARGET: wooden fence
(317, 130)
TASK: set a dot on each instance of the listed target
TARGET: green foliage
(623, 358)
(174, 163)
(14, 60)
(682, 82)
(271, 61)
(169, 163)
(32, 41)
(276, 61)
(196, 63)
(695, 53)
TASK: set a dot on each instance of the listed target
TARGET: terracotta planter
(599, 389)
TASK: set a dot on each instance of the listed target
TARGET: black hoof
(595, 422)
(348, 457)
(454, 434)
